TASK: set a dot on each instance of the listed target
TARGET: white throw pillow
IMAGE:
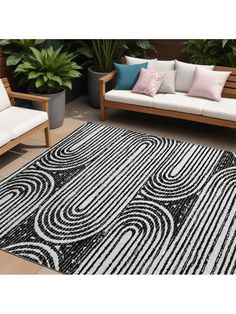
(4, 99)
(153, 64)
(185, 74)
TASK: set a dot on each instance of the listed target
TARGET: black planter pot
(78, 88)
(93, 86)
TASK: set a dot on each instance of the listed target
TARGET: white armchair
(16, 123)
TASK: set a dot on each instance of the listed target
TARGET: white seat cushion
(17, 121)
(180, 102)
(125, 96)
(5, 137)
(4, 99)
(223, 109)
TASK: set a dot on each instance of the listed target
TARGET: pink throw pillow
(208, 84)
(148, 83)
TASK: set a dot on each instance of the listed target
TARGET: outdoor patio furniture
(17, 123)
(178, 105)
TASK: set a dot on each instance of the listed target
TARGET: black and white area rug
(112, 201)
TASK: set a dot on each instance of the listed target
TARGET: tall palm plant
(102, 53)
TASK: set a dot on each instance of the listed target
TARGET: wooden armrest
(41, 99)
(108, 77)
(102, 86)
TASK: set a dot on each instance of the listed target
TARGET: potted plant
(14, 50)
(102, 54)
(47, 72)
(220, 52)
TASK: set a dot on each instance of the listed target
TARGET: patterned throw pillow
(168, 83)
(148, 82)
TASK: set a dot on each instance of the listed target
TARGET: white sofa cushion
(165, 65)
(153, 64)
(175, 102)
(180, 102)
(223, 109)
(125, 96)
(4, 99)
(5, 137)
(17, 121)
(185, 73)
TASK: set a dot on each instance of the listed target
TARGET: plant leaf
(34, 74)
(224, 42)
(14, 59)
(67, 84)
(39, 82)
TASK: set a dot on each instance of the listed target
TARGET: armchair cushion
(5, 137)
(4, 99)
(17, 121)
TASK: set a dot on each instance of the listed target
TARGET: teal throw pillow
(127, 74)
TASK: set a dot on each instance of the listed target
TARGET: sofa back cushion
(4, 99)
(153, 64)
(208, 84)
(127, 75)
(165, 65)
(185, 74)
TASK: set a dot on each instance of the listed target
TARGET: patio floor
(77, 113)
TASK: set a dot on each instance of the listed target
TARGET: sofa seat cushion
(17, 121)
(180, 102)
(127, 97)
(5, 137)
(224, 109)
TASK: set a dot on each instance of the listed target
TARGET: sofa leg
(102, 113)
(47, 136)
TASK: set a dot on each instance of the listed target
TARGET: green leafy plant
(104, 52)
(48, 70)
(17, 49)
(211, 51)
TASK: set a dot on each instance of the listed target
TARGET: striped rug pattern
(112, 201)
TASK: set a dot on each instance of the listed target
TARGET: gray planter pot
(93, 86)
(56, 108)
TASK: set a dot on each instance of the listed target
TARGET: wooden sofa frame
(45, 126)
(229, 91)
